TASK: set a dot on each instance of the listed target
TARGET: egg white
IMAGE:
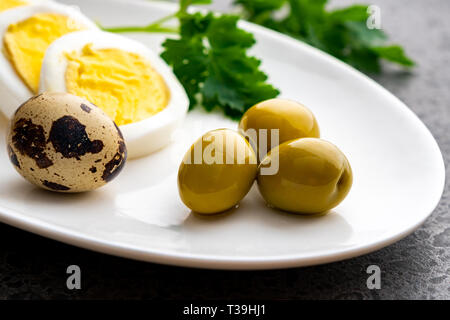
(143, 137)
(13, 91)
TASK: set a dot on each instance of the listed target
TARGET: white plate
(398, 169)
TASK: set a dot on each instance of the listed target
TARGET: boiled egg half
(25, 34)
(130, 82)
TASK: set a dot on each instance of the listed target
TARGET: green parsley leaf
(260, 6)
(184, 4)
(210, 59)
(190, 67)
(394, 53)
(352, 13)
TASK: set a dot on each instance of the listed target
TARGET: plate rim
(63, 234)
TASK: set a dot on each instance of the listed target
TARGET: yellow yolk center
(8, 4)
(121, 83)
(27, 41)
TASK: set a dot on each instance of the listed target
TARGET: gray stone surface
(414, 268)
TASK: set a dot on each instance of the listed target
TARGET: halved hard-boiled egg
(25, 34)
(131, 83)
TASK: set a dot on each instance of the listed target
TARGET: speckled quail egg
(61, 142)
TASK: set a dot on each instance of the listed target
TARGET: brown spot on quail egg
(53, 140)
(13, 157)
(55, 186)
(85, 108)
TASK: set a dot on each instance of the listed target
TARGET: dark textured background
(417, 267)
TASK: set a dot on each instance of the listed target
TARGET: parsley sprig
(210, 55)
(341, 32)
(210, 59)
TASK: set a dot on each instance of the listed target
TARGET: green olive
(307, 176)
(292, 119)
(217, 172)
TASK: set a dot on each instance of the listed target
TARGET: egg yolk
(27, 41)
(8, 4)
(123, 84)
